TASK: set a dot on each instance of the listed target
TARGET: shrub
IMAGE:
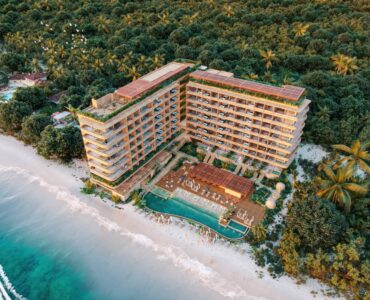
(116, 198)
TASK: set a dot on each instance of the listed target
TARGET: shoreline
(218, 266)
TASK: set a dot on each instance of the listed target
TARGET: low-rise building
(27, 79)
(62, 119)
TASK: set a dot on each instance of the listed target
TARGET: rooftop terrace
(287, 92)
(140, 86)
(108, 105)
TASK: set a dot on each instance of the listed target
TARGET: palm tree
(164, 18)
(61, 52)
(357, 156)
(189, 19)
(103, 24)
(268, 56)
(136, 198)
(301, 29)
(252, 76)
(211, 3)
(111, 59)
(122, 67)
(344, 64)
(51, 62)
(133, 73)
(259, 231)
(35, 65)
(142, 62)
(127, 19)
(338, 186)
(84, 59)
(57, 72)
(157, 60)
(228, 10)
(323, 113)
(97, 65)
(267, 76)
(128, 56)
(243, 46)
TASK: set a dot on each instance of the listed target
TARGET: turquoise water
(7, 95)
(237, 226)
(39, 275)
(184, 209)
(54, 246)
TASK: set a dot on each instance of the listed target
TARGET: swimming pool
(237, 226)
(7, 95)
(181, 208)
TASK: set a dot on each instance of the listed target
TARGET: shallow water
(55, 246)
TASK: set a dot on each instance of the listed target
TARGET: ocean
(53, 245)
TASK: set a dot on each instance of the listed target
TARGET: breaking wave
(9, 287)
(208, 276)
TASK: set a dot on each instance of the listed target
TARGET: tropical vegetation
(92, 47)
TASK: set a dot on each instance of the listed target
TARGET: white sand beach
(229, 273)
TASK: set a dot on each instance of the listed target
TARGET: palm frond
(329, 172)
(342, 148)
(356, 188)
(340, 162)
(356, 147)
(364, 166)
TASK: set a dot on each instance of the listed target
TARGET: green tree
(64, 144)
(12, 115)
(34, 96)
(289, 254)
(33, 126)
(259, 232)
(317, 264)
(4, 77)
(339, 188)
(350, 269)
(316, 222)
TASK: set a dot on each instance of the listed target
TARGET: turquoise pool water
(237, 226)
(179, 207)
(7, 95)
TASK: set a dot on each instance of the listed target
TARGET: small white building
(62, 119)
(27, 79)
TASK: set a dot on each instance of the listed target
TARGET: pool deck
(179, 179)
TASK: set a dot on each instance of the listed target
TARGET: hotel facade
(122, 129)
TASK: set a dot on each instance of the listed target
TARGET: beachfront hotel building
(258, 121)
(254, 120)
(120, 129)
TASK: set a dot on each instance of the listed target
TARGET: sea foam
(9, 286)
(179, 258)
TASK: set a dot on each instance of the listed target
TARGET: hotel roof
(138, 87)
(222, 178)
(288, 92)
